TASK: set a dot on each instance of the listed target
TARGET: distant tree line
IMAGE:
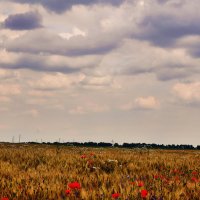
(124, 145)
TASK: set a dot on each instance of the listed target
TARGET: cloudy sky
(100, 70)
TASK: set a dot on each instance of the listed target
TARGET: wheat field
(42, 172)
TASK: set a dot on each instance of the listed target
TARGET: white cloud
(89, 108)
(144, 103)
(56, 81)
(10, 89)
(187, 91)
(7, 74)
(149, 102)
(75, 32)
(99, 82)
(7, 57)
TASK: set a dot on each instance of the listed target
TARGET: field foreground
(42, 172)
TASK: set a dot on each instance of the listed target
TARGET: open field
(41, 172)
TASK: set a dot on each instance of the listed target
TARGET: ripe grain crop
(42, 172)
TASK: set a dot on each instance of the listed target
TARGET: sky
(100, 70)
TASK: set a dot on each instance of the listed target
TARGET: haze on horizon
(100, 70)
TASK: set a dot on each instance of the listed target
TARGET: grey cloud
(60, 6)
(163, 1)
(191, 45)
(45, 42)
(64, 5)
(136, 57)
(37, 65)
(163, 30)
(137, 70)
(176, 3)
(49, 64)
(167, 74)
(194, 50)
(36, 42)
(23, 21)
(162, 73)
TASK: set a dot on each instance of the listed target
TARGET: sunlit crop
(42, 172)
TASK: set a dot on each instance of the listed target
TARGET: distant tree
(104, 144)
(116, 145)
(90, 144)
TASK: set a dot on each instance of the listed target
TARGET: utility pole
(13, 139)
(19, 138)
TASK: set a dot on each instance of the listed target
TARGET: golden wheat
(42, 172)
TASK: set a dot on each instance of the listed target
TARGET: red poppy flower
(83, 156)
(90, 162)
(181, 173)
(156, 176)
(67, 192)
(132, 183)
(162, 177)
(194, 179)
(144, 193)
(140, 183)
(74, 185)
(176, 171)
(116, 195)
(194, 173)
(176, 178)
